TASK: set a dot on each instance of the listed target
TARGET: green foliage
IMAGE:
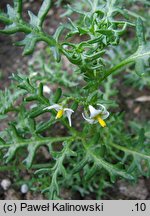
(7, 99)
(33, 29)
(98, 25)
(85, 157)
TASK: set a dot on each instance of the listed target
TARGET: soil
(11, 60)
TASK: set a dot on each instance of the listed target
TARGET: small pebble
(5, 184)
(46, 89)
(24, 188)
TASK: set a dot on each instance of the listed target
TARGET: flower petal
(93, 112)
(57, 107)
(68, 114)
(69, 110)
(105, 115)
(91, 121)
(102, 107)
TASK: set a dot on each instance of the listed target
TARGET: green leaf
(37, 21)
(25, 83)
(112, 169)
(36, 111)
(2, 142)
(33, 29)
(91, 172)
(54, 187)
(45, 125)
(141, 136)
(57, 95)
(142, 52)
(56, 53)
(107, 32)
(74, 105)
(34, 20)
(14, 133)
(32, 147)
(11, 12)
(8, 99)
(11, 29)
(140, 31)
(133, 152)
(18, 7)
(43, 11)
(80, 164)
(92, 97)
(139, 67)
(58, 32)
(82, 12)
(11, 152)
(33, 143)
(4, 18)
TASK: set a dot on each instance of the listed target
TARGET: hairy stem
(130, 60)
(38, 141)
(130, 151)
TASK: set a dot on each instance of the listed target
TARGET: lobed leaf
(29, 43)
(18, 7)
(34, 20)
(43, 11)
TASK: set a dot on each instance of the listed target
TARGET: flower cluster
(96, 115)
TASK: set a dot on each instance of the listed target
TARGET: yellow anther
(59, 114)
(101, 121)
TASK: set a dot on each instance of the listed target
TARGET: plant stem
(140, 53)
(117, 67)
(37, 141)
(22, 166)
(130, 151)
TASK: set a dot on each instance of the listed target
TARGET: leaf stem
(22, 166)
(130, 151)
(117, 67)
(130, 60)
(39, 141)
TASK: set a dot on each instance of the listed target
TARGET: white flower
(60, 111)
(97, 115)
